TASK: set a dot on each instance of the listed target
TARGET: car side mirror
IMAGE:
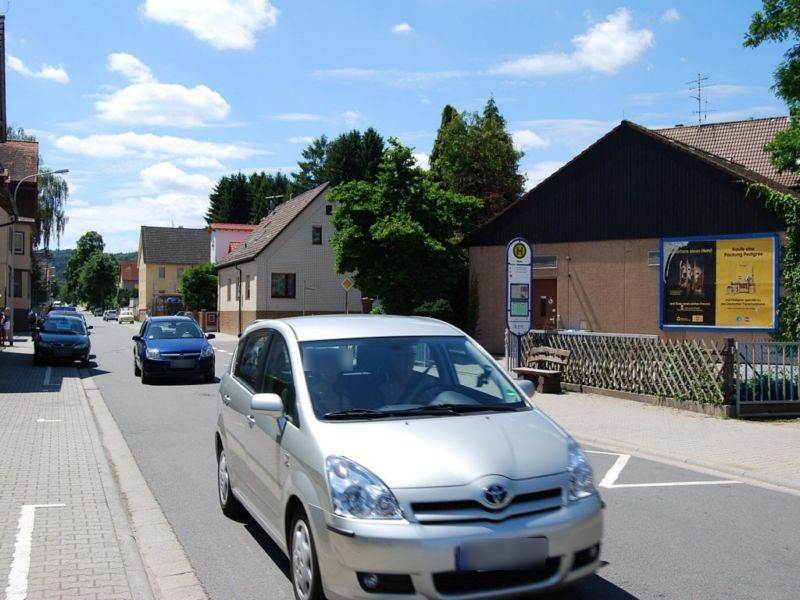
(527, 386)
(270, 404)
(137, 338)
(210, 336)
(90, 327)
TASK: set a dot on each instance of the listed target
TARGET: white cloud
(390, 77)
(423, 160)
(147, 102)
(540, 171)
(525, 139)
(225, 24)
(151, 146)
(166, 177)
(402, 28)
(297, 117)
(57, 74)
(209, 164)
(301, 139)
(572, 133)
(605, 48)
(671, 15)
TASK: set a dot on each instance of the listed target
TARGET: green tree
(354, 156)
(89, 244)
(230, 202)
(267, 191)
(198, 287)
(51, 218)
(400, 235)
(473, 154)
(779, 21)
(312, 166)
(99, 280)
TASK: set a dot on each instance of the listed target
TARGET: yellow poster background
(745, 292)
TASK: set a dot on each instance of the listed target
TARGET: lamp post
(11, 260)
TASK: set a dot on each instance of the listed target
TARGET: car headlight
(581, 477)
(153, 353)
(355, 492)
(207, 351)
(81, 346)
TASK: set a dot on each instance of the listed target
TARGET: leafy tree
(198, 287)
(354, 156)
(230, 200)
(312, 167)
(400, 235)
(98, 280)
(779, 21)
(473, 154)
(51, 218)
(89, 243)
(267, 191)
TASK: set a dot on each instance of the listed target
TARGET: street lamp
(11, 260)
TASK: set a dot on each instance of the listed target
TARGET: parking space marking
(48, 420)
(47, 372)
(18, 575)
(609, 480)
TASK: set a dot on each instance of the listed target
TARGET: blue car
(172, 347)
(61, 337)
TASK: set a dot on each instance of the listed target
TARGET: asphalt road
(670, 532)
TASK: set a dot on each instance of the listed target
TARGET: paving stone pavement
(65, 530)
(763, 452)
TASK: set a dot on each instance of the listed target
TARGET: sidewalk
(76, 517)
(763, 452)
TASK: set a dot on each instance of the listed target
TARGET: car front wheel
(306, 579)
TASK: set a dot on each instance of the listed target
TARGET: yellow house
(164, 254)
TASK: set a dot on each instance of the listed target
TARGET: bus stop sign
(519, 261)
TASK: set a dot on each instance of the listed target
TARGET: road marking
(18, 576)
(48, 420)
(47, 373)
(609, 481)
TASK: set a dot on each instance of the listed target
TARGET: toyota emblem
(496, 495)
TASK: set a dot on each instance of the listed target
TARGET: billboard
(722, 283)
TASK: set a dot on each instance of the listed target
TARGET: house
(596, 224)
(285, 267)
(128, 274)
(164, 253)
(19, 160)
(227, 236)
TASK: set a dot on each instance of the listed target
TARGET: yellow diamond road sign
(347, 283)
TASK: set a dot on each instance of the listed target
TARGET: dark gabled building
(596, 223)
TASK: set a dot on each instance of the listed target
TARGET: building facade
(225, 237)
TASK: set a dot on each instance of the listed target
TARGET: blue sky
(149, 102)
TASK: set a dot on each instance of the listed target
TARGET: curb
(166, 570)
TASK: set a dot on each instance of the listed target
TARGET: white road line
(18, 576)
(47, 375)
(614, 472)
(599, 452)
(672, 484)
(48, 420)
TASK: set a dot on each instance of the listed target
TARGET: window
(316, 235)
(19, 242)
(229, 290)
(180, 273)
(278, 375)
(162, 272)
(250, 359)
(329, 209)
(653, 258)
(283, 285)
(545, 262)
(18, 284)
(247, 288)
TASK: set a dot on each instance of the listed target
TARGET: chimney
(3, 122)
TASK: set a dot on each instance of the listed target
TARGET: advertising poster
(725, 283)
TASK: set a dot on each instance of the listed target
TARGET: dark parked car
(172, 346)
(61, 337)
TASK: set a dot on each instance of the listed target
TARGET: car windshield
(63, 326)
(375, 378)
(171, 330)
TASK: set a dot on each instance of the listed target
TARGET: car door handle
(251, 420)
(226, 399)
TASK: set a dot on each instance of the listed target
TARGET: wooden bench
(545, 366)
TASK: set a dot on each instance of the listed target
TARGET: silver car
(391, 456)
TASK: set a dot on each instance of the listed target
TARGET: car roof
(340, 327)
(161, 319)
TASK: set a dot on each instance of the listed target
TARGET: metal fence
(766, 375)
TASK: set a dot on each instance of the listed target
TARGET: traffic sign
(347, 283)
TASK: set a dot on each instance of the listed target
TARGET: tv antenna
(698, 85)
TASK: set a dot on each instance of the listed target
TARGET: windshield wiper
(356, 413)
(455, 409)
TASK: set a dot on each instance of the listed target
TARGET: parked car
(125, 316)
(67, 312)
(98, 312)
(110, 315)
(172, 346)
(393, 455)
(62, 337)
(185, 313)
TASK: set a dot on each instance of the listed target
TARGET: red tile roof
(129, 270)
(232, 227)
(740, 142)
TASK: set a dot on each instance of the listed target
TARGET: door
(545, 303)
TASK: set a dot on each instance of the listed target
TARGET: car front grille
(180, 355)
(471, 509)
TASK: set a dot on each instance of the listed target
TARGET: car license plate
(501, 555)
(62, 352)
(184, 363)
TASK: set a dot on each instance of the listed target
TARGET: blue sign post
(519, 262)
